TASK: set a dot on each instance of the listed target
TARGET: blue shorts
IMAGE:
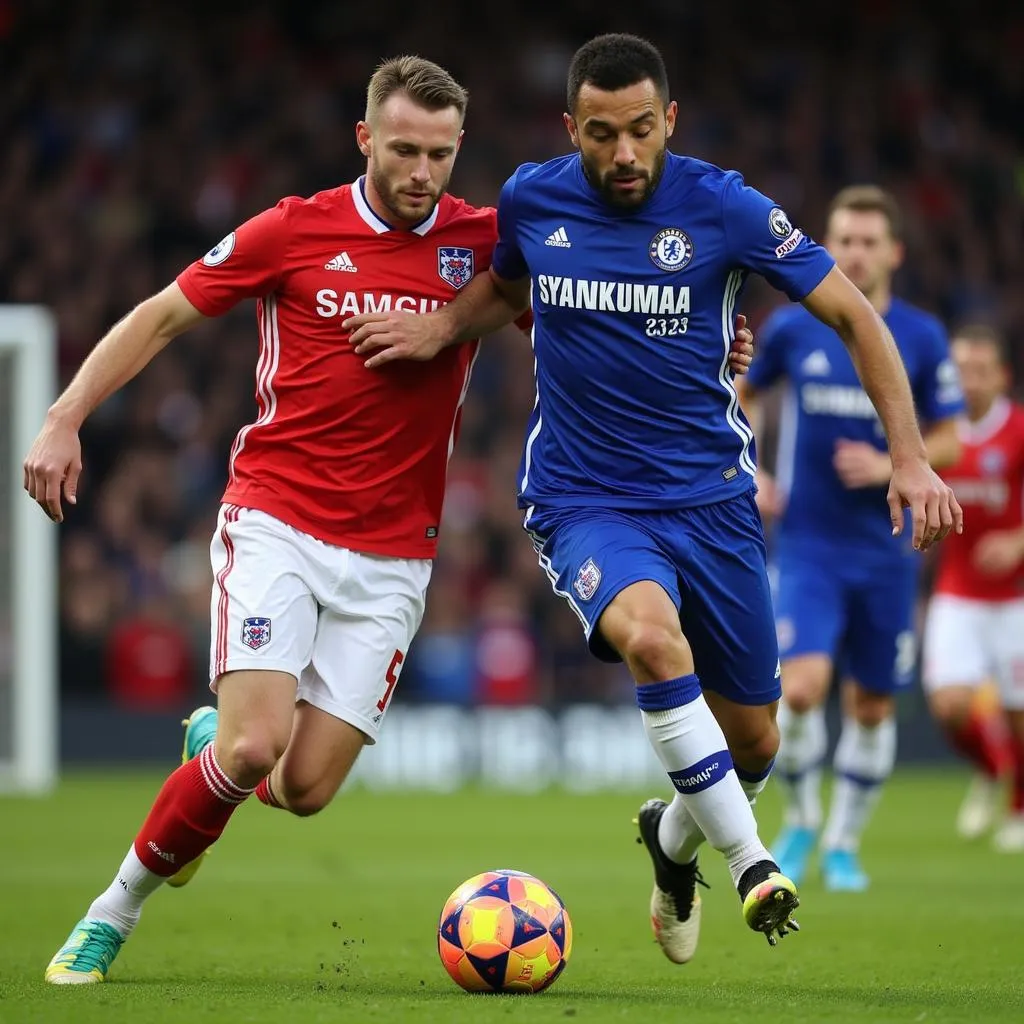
(710, 560)
(859, 611)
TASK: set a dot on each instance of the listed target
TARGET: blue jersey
(825, 403)
(633, 322)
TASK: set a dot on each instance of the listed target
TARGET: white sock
(120, 904)
(864, 760)
(690, 744)
(803, 740)
(679, 835)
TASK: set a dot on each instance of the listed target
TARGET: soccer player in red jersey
(331, 514)
(975, 626)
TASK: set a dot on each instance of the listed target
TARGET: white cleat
(675, 902)
(977, 813)
(677, 937)
(1009, 837)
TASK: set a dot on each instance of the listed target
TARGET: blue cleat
(86, 956)
(842, 872)
(792, 849)
(200, 732)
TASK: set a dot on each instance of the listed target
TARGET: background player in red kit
(975, 626)
(330, 517)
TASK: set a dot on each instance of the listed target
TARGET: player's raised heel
(792, 850)
(200, 732)
(86, 956)
(841, 871)
(675, 902)
(768, 904)
(1009, 837)
(978, 811)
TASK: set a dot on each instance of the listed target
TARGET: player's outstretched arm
(934, 508)
(55, 458)
(486, 304)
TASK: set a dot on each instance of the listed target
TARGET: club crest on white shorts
(255, 632)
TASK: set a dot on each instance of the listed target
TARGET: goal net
(28, 563)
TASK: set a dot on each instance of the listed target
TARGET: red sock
(188, 815)
(265, 794)
(1017, 803)
(981, 738)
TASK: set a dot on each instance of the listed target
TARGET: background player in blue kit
(845, 585)
(637, 477)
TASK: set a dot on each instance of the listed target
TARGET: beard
(391, 197)
(603, 184)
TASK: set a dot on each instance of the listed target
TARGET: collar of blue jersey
(378, 223)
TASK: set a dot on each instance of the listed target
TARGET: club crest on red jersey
(455, 265)
(255, 632)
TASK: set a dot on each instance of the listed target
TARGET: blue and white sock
(690, 744)
(803, 740)
(864, 759)
(680, 836)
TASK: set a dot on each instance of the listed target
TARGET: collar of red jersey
(989, 425)
(378, 224)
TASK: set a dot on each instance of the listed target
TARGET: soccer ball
(504, 931)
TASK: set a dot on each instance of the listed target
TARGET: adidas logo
(169, 857)
(816, 364)
(558, 238)
(341, 262)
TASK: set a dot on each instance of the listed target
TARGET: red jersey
(988, 481)
(352, 456)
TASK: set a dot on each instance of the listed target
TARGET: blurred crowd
(135, 138)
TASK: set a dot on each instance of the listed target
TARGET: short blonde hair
(870, 199)
(423, 81)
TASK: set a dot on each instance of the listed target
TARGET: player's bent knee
(248, 758)
(951, 705)
(653, 651)
(872, 709)
(804, 685)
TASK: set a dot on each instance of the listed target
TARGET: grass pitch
(333, 918)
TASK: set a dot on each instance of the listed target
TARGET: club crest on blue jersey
(255, 632)
(779, 223)
(455, 265)
(588, 579)
(670, 249)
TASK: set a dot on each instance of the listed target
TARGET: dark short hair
(870, 199)
(615, 61)
(978, 333)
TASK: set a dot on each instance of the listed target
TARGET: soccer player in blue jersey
(846, 587)
(637, 477)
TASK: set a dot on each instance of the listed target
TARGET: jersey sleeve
(245, 264)
(936, 385)
(508, 261)
(769, 364)
(761, 238)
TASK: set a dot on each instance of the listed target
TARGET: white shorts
(339, 621)
(968, 642)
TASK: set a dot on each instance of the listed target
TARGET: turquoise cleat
(200, 732)
(792, 850)
(86, 956)
(842, 872)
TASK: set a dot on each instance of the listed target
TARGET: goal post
(28, 560)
